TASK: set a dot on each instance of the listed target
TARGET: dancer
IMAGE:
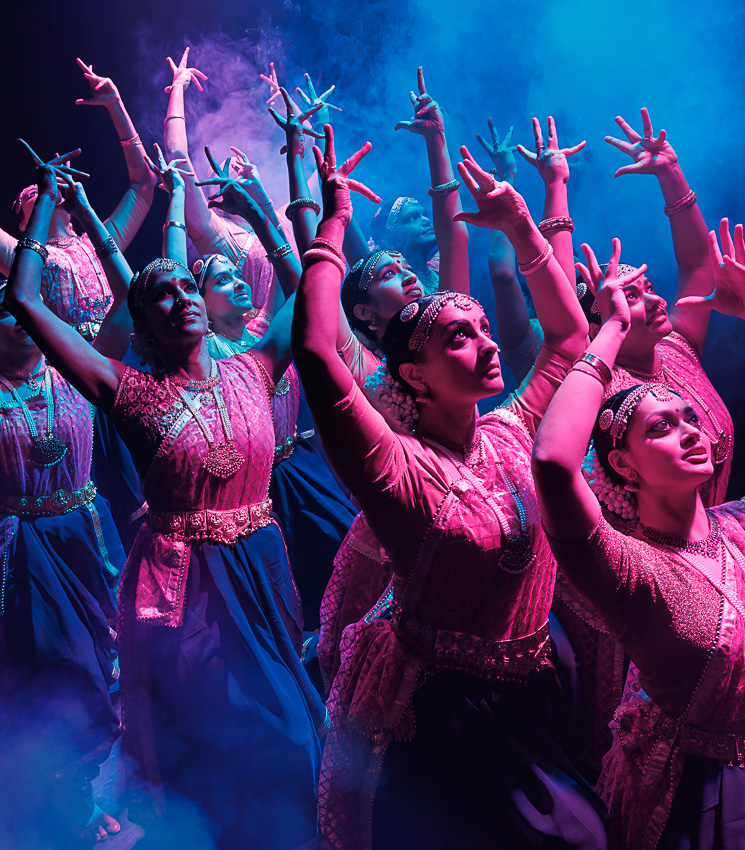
(425, 724)
(669, 588)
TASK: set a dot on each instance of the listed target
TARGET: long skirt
(485, 770)
(220, 717)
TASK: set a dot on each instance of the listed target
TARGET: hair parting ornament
(366, 267)
(429, 315)
(201, 268)
(395, 210)
(618, 423)
(141, 279)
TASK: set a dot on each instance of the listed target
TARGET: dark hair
(200, 269)
(587, 302)
(398, 334)
(352, 294)
(135, 310)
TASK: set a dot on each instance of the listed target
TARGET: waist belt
(221, 526)
(55, 504)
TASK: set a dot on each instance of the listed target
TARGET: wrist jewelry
(135, 140)
(444, 188)
(301, 203)
(313, 255)
(266, 203)
(678, 206)
(580, 367)
(539, 261)
(600, 366)
(279, 252)
(320, 242)
(33, 245)
(106, 248)
(559, 222)
(174, 118)
(174, 224)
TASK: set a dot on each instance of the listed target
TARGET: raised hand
(499, 205)
(549, 159)
(728, 267)
(73, 194)
(245, 171)
(651, 155)
(273, 83)
(311, 99)
(293, 126)
(58, 164)
(336, 182)
(427, 120)
(184, 76)
(501, 152)
(608, 288)
(103, 90)
(168, 174)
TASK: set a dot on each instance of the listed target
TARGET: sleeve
(535, 393)
(7, 252)
(127, 218)
(216, 239)
(360, 361)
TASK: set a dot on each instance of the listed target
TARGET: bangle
(106, 248)
(320, 242)
(301, 203)
(538, 262)
(444, 188)
(317, 254)
(279, 252)
(174, 118)
(33, 245)
(678, 206)
(135, 140)
(599, 365)
(174, 224)
(559, 222)
(266, 203)
(590, 372)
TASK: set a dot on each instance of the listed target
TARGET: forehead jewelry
(620, 421)
(395, 210)
(161, 264)
(623, 270)
(430, 313)
(201, 267)
(368, 266)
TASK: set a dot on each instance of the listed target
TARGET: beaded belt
(57, 503)
(221, 526)
(466, 653)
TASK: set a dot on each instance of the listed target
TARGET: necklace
(708, 547)
(194, 383)
(473, 453)
(46, 451)
(31, 380)
(224, 460)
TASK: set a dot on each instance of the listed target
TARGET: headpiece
(395, 210)
(201, 267)
(24, 195)
(623, 269)
(161, 264)
(618, 422)
(428, 316)
(365, 267)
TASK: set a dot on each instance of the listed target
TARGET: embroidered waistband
(466, 653)
(60, 502)
(221, 526)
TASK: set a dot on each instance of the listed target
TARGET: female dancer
(423, 689)
(672, 593)
(219, 714)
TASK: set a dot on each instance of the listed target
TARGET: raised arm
(451, 233)
(500, 207)
(171, 179)
(94, 375)
(655, 155)
(130, 212)
(569, 508)
(551, 162)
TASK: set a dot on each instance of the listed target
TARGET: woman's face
(666, 445)
(226, 294)
(60, 214)
(649, 319)
(394, 285)
(461, 360)
(173, 308)
(413, 232)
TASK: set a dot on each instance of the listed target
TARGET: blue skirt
(219, 714)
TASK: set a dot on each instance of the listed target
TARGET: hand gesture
(502, 153)
(311, 99)
(168, 174)
(273, 83)
(103, 89)
(650, 155)
(50, 174)
(245, 171)
(500, 206)
(183, 76)
(293, 126)
(336, 183)
(427, 121)
(728, 266)
(608, 288)
(232, 195)
(550, 160)
(73, 194)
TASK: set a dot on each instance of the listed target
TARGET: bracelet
(320, 242)
(538, 262)
(444, 188)
(174, 224)
(599, 365)
(559, 222)
(106, 248)
(266, 203)
(301, 203)
(678, 206)
(589, 372)
(316, 254)
(135, 140)
(279, 252)
(174, 118)
(33, 245)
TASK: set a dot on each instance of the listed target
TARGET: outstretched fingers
(472, 186)
(574, 148)
(35, 158)
(628, 130)
(526, 154)
(728, 246)
(538, 136)
(350, 164)
(420, 80)
(361, 189)
(646, 124)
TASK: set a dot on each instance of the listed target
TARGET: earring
(631, 481)
(423, 397)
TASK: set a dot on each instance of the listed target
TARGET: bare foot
(100, 829)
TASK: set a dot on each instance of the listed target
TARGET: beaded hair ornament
(201, 267)
(24, 196)
(161, 264)
(618, 422)
(396, 209)
(368, 265)
(390, 398)
(428, 316)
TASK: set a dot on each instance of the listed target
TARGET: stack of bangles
(301, 203)
(678, 206)
(279, 252)
(559, 222)
(592, 365)
(106, 248)
(324, 249)
(135, 140)
(444, 188)
(539, 262)
(33, 245)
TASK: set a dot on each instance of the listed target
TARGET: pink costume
(685, 631)
(432, 515)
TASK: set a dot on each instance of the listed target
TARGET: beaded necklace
(46, 451)
(708, 547)
(31, 380)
